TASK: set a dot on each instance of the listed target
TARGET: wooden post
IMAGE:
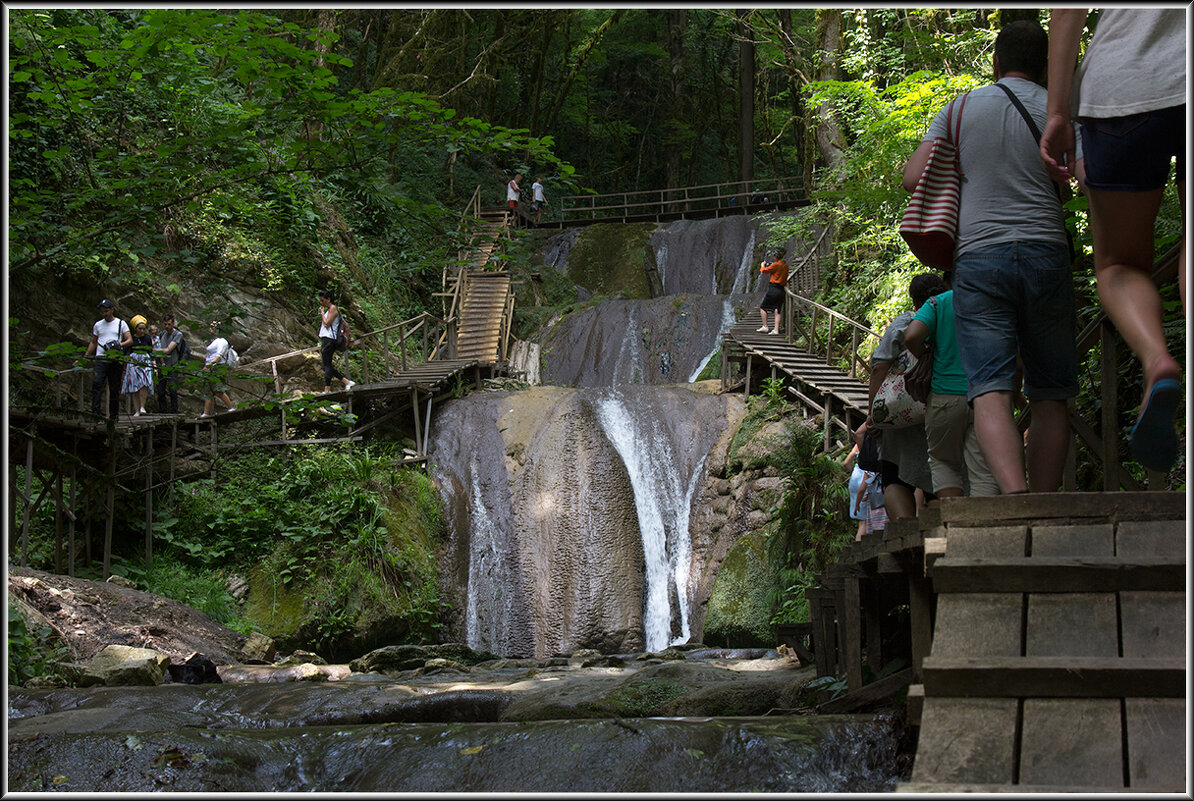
(427, 425)
(277, 381)
(110, 506)
(414, 405)
(828, 417)
(385, 349)
(850, 616)
(58, 523)
(746, 386)
(70, 562)
(853, 351)
(148, 497)
(829, 342)
(872, 620)
(920, 599)
(28, 496)
(174, 452)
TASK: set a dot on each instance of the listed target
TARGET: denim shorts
(1017, 297)
(1132, 153)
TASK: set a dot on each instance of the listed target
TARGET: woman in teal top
(955, 458)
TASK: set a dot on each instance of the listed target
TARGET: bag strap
(1036, 134)
(953, 130)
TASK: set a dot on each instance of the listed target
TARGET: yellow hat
(136, 321)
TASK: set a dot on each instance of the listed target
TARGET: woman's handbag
(930, 223)
(919, 380)
(894, 406)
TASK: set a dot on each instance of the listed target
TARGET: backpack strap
(1036, 134)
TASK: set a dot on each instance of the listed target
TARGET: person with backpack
(219, 357)
(108, 336)
(171, 349)
(333, 336)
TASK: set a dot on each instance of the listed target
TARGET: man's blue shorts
(1132, 153)
(1017, 297)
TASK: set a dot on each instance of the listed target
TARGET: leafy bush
(30, 652)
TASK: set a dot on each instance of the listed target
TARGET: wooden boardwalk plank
(1156, 744)
(1072, 741)
(985, 624)
(986, 541)
(966, 740)
(1093, 539)
(1153, 624)
(1071, 624)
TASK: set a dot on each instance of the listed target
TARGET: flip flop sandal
(1153, 439)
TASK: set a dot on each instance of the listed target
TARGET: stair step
(1058, 574)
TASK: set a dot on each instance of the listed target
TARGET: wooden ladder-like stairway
(482, 315)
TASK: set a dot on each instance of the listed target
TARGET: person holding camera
(109, 336)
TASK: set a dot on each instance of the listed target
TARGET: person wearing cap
(108, 336)
(138, 375)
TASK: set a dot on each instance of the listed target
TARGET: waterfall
(628, 365)
(741, 282)
(663, 500)
(727, 320)
(489, 608)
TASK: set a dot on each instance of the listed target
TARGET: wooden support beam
(920, 612)
(1057, 574)
(148, 498)
(850, 619)
(1054, 677)
(875, 691)
(28, 493)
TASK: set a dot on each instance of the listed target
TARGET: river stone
(121, 581)
(48, 682)
(123, 664)
(604, 661)
(258, 648)
(391, 658)
(195, 669)
(298, 657)
(440, 665)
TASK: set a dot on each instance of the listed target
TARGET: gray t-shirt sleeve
(891, 344)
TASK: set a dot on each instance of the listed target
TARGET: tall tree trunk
(578, 63)
(746, 100)
(830, 140)
(677, 26)
(326, 24)
(549, 26)
(799, 126)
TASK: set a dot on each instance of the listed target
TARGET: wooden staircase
(1058, 659)
(484, 300)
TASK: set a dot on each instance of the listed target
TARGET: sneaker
(143, 410)
(205, 414)
(762, 329)
(138, 414)
(232, 408)
(776, 331)
(349, 385)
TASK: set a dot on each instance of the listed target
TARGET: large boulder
(124, 665)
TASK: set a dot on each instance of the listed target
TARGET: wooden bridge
(681, 203)
(83, 463)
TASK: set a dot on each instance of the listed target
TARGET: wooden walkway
(1058, 659)
(820, 387)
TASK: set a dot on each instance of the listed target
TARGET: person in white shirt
(108, 337)
(538, 201)
(215, 388)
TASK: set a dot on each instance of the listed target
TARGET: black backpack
(184, 350)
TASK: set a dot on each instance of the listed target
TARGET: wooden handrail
(682, 197)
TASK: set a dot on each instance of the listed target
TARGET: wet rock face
(546, 552)
(662, 341)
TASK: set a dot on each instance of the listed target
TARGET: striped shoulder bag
(930, 222)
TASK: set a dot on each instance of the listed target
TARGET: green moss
(740, 605)
(610, 259)
(641, 698)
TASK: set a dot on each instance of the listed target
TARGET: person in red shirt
(773, 301)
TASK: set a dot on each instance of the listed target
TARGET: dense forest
(154, 152)
(194, 137)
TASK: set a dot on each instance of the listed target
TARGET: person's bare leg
(899, 501)
(1000, 440)
(1048, 442)
(208, 406)
(763, 314)
(1122, 227)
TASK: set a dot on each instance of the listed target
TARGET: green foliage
(196, 587)
(31, 652)
(643, 698)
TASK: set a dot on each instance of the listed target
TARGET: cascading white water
(628, 366)
(487, 612)
(663, 500)
(741, 284)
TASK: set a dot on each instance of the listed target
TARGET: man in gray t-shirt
(1013, 292)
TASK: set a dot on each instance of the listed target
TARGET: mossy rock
(640, 698)
(610, 259)
(740, 606)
